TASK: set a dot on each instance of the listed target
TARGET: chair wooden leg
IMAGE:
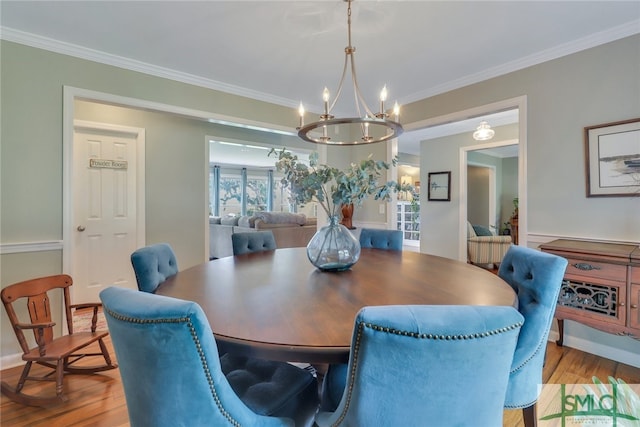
(23, 377)
(105, 353)
(560, 339)
(59, 377)
(529, 416)
(16, 395)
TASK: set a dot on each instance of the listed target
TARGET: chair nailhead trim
(476, 335)
(356, 350)
(196, 340)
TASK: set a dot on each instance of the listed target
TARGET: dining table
(276, 305)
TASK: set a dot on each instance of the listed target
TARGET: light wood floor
(98, 400)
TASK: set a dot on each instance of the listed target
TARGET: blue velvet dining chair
(536, 278)
(153, 265)
(172, 375)
(381, 239)
(427, 365)
(252, 241)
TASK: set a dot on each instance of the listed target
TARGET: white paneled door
(105, 210)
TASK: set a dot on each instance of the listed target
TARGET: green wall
(595, 86)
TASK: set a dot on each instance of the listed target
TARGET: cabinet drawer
(593, 269)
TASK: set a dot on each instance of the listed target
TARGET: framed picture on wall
(439, 189)
(612, 152)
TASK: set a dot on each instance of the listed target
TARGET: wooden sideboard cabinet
(601, 286)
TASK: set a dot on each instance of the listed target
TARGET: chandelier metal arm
(339, 90)
(354, 78)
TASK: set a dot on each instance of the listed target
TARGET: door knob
(80, 228)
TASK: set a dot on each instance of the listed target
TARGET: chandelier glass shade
(366, 127)
(483, 132)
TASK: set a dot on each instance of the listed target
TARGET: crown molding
(52, 45)
(592, 40)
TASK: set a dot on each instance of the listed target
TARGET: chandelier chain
(349, 23)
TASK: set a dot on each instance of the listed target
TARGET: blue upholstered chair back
(153, 265)
(536, 277)
(252, 241)
(427, 365)
(381, 239)
(169, 364)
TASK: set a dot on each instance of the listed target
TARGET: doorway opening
(441, 233)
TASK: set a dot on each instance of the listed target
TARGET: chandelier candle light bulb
(301, 112)
(383, 98)
(366, 136)
(325, 98)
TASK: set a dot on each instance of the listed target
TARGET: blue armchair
(411, 365)
(536, 277)
(153, 265)
(172, 375)
(381, 239)
(252, 241)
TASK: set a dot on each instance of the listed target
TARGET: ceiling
(288, 51)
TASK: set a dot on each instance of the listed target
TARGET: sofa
(290, 230)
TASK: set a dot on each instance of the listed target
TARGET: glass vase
(333, 247)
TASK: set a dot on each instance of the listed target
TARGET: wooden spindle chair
(59, 354)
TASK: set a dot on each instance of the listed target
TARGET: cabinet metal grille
(600, 299)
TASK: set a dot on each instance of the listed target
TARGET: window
(238, 190)
(258, 193)
(230, 194)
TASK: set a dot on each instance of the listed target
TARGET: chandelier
(366, 128)
(483, 132)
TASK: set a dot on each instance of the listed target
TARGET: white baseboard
(615, 354)
(11, 361)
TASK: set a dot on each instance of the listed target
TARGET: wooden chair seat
(64, 346)
(59, 353)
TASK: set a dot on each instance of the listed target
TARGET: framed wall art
(439, 189)
(612, 153)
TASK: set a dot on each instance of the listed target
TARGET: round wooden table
(276, 305)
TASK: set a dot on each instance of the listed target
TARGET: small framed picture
(612, 153)
(439, 189)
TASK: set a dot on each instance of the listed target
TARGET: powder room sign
(107, 164)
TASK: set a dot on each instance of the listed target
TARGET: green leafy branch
(331, 187)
